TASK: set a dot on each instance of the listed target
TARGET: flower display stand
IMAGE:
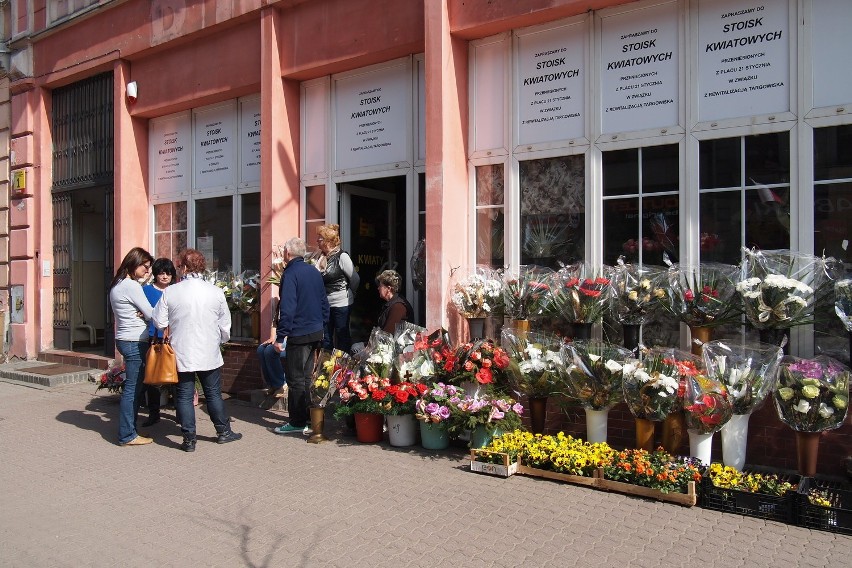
(402, 430)
(483, 461)
(834, 517)
(556, 476)
(317, 425)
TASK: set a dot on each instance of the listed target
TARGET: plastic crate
(837, 518)
(770, 507)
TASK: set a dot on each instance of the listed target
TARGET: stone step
(47, 374)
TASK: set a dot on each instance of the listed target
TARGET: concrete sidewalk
(72, 497)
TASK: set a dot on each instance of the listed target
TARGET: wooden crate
(505, 469)
(567, 478)
(688, 499)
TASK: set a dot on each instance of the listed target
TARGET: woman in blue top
(165, 274)
(131, 311)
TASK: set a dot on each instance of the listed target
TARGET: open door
(366, 231)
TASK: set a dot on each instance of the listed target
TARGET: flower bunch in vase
(481, 363)
(654, 386)
(812, 394)
(534, 360)
(324, 382)
(276, 265)
(415, 363)
(488, 414)
(592, 373)
(241, 290)
(401, 398)
(707, 404)
(444, 357)
(636, 292)
(527, 293)
(436, 403)
(379, 354)
(480, 294)
(112, 379)
(580, 293)
(364, 393)
(703, 295)
(748, 370)
(781, 288)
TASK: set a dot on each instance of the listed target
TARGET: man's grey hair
(296, 247)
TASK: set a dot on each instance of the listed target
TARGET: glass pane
(767, 158)
(621, 172)
(660, 229)
(251, 209)
(179, 222)
(832, 158)
(163, 246)
(720, 227)
(660, 168)
(315, 198)
(489, 184)
(250, 248)
(833, 220)
(213, 230)
(162, 217)
(311, 234)
(719, 163)
(621, 230)
(768, 218)
(490, 229)
(421, 194)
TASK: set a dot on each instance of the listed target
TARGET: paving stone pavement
(69, 496)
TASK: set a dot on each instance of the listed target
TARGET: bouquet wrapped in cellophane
(812, 394)
(706, 404)
(703, 295)
(411, 357)
(527, 293)
(580, 293)
(843, 302)
(480, 294)
(636, 292)
(781, 288)
(327, 369)
(444, 357)
(749, 370)
(654, 386)
(592, 372)
(378, 355)
(482, 362)
(535, 357)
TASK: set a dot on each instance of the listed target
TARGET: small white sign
(214, 147)
(743, 58)
(170, 138)
(250, 141)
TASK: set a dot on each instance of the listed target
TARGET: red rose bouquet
(482, 362)
(580, 293)
(112, 379)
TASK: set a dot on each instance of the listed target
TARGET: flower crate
(688, 499)
(567, 478)
(836, 517)
(504, 469)
(760, 505)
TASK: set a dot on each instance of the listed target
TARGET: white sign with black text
(639, 69)
(250, 141)
(743, 58)
(170, 138)
(552, 89)
(214, 147)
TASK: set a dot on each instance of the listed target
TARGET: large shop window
(213, 236)
(745, 195)
(640, 205)
(833, 223)
(553, 195)
(490, 220)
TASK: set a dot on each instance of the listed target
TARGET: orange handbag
(161, 363)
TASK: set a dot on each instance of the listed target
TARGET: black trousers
(300, 367)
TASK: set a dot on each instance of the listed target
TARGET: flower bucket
(645, 434)
(807, 450)
(434, 436)
(735, 441)
(369, 427)
(481, 437)
(538, 413)
(476, 327)
(701, 445)
(402, 430)
(596, 425)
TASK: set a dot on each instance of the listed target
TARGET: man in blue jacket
(302, 314)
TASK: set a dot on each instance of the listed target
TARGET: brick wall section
(771, 443)
(242, 369)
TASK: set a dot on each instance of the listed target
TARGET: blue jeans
(211, 383)
(134, 373)
(337, 330)
(272, 365)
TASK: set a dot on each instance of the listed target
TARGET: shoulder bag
(161, 363)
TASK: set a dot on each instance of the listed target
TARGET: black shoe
(229, 436)
(152, 419)
(188, 444)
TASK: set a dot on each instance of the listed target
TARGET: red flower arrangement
(401, 398)
(578, 298)
(480, 361)
(112, 379)
(710, 406)
(444, 358)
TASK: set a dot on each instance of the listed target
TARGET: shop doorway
(371, 231)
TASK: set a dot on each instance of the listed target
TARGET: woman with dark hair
(396, 308)
(341, 282)
(131, 310)
(165, 274)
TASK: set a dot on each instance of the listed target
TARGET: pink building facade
(501, 133)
